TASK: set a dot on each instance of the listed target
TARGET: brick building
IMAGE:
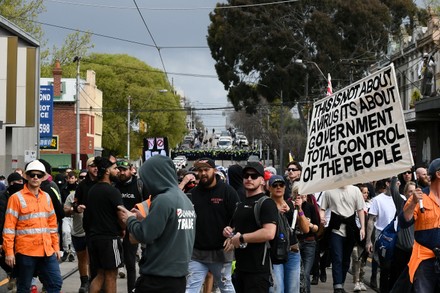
(62, 152)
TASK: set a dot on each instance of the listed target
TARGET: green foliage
(121, 76)
(23, 13)
(254, 46)
(75, 44)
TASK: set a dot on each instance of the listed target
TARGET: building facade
(19, 97)
(62, 152)
(422, 114)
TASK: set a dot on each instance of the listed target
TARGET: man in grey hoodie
(168, 231)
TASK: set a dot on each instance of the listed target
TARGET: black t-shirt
(214, 209)
(250, 258)
(102, 206)
(130, 193)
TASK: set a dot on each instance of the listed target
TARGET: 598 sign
(45, 128)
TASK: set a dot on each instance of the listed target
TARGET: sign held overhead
(357, 135)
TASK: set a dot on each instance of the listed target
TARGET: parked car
(225, 142)
(242, 141)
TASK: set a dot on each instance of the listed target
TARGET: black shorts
(79, 243)
(105, 253)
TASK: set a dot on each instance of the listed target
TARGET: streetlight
(300, 61)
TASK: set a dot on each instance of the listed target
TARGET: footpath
(71, 281)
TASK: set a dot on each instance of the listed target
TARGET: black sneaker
(71, 257)
(314, 280)
(64, 257)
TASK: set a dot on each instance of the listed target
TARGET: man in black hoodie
(214, 202)
(168, 231)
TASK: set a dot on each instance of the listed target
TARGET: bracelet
(301, 213)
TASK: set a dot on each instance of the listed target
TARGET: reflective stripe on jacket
(30, 225)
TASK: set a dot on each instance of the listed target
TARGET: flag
(329, 86)
(290, 157)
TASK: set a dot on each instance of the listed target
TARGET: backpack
(386, 242)
(279, 247)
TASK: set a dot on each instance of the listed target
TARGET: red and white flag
(329, 86)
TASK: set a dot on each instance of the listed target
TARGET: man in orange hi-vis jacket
(424, 264)
(30, 238)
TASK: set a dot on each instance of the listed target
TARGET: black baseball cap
(255, 166)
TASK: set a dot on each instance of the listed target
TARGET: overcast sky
(172, 23)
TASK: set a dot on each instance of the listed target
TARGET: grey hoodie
(169, 229)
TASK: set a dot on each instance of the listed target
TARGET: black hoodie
(169, 229)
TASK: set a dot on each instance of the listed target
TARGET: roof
(16, 31)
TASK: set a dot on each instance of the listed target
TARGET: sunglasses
(278, 185)
(407, 172)
(252, 175)
(292, 169)
(82, 177)
(123, 164)
(32, 175)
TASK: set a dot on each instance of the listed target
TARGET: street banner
(46, 115)
(357, 135)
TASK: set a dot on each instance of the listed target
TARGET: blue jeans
(47, 268)
(307, 250)
(220, 271)
(286, 276)
(427, 278)
(341, 249)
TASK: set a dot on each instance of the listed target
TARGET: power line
(152, 38)
(175, 8)
(151, 70)
(109, 37)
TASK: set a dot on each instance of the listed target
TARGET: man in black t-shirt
(131, 190)
(104, 230)
(252, 258)
(214, 202)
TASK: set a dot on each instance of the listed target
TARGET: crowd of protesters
(197, 229)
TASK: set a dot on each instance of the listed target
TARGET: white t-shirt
(383, 207)
(343, 201)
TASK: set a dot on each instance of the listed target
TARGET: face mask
(15, 187)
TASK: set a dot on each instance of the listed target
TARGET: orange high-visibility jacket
(144, 206)
(30, 225)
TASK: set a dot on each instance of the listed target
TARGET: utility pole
(78, 121)
(128, 128)
(281, 134)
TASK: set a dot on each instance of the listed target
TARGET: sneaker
(314, 280)
(64, 257)
(121, 273)
(363, 288)
(357, 287)
(71, 257)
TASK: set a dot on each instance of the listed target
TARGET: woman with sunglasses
(287, 275)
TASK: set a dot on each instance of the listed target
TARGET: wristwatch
(241, 238)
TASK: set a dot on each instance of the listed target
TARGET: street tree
(255, 46)
(153, 102)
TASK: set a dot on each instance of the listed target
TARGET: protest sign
(357, 135)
